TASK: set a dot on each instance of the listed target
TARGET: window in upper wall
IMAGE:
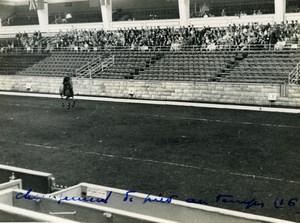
(292, 6)
(126, 10)
(75, 12)
(18, 16)
(214, 8)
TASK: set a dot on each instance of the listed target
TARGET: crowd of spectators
(22, 41)
(238, 37)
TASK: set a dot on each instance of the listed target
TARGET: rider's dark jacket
(67, 82)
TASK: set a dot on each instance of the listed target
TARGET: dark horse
(66, 90)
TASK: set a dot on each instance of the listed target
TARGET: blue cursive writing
(91, 200)
(226, 198)
(160, 199)
(27, 196)
(196, 201)
(129, 197)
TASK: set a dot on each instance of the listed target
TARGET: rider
(67, 83)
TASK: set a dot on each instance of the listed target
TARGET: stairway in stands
(128, 64)
(61, 63)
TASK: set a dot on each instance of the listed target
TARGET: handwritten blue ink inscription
(160, 199)
(280, 203)
(196, 201)
(230, 199)
(129, 197)
(27, 196)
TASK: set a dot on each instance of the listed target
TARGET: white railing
(105, 64)
(85, 70)
(94, 67)
(174, 47)
(294, 76)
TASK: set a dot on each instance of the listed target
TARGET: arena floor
(190, 152)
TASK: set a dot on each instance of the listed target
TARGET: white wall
(231, 93)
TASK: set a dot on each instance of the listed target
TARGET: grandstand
(174, 52)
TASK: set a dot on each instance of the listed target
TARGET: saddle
(68, 90)
(67, 87)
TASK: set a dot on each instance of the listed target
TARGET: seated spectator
(280, 45)
(208, 38)
(86, 47)
(211, 46)
(28, 49)
(144, 48)
(175, 45)
(243, 46)
(223, 13)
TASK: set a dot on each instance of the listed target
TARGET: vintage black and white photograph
(129, 111)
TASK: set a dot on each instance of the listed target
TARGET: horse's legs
(62, 99)
(73, 101)
(68, 103)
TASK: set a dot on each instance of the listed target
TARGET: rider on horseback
(68, 85)
(66, 89)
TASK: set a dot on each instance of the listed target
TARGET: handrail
(82, 71)
(88, 64)
(294, 76)
(104, 65)
(218, 48)
(92, 67)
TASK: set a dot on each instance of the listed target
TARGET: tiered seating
(12, 64)
(256, 67)
(127, 63)
(186, 66)
(264, 67)
(61, 63)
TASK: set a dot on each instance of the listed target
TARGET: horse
(65, 90)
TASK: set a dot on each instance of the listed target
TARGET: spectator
(223, 13)
(233, 36)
